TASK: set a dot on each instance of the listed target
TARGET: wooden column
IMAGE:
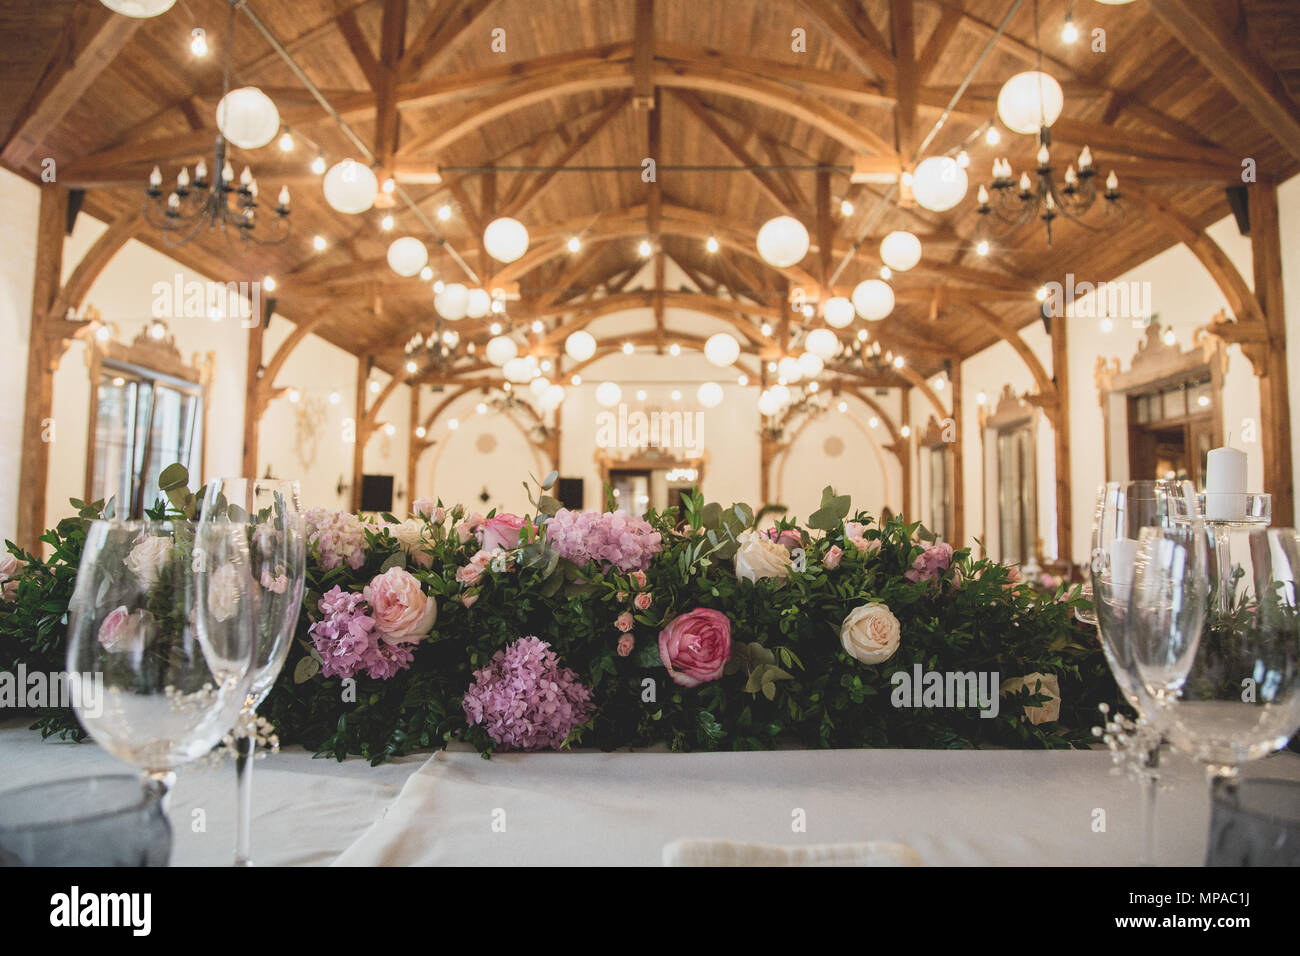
(905, 453)
(360, 433)
(1061, 430)
(254, 403)
(414, 444)
(1274, 393)
(958, 535)
(42, 360)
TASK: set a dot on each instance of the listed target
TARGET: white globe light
(477, 303)
(505, 239)
(452, 302)
(248, 118)
(939, 183)
(767, 403)
(900, 251)
(721, 349)
(501, 350)
(1029, 101)
(518, 369)
(823, 343)
(873, 299)
(539, 385)
(782, 241)
(407, 256)
(789, 369)
(140, 9)
(710, 395)
(552, 397)
(608, 394)
(781, 394)
(838, 311)
(580, 346)
(811, 365)
(350, 186)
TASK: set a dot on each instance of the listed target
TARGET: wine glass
(1123, 510)
(266, 511)
(160, 651)
(1239, 698)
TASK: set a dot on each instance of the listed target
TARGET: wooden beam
(438, 35)
(937, 45)
(1274, 388)
(903, 29)
(360, 434)
(957, 486)
(1061, 432)
(854, 37)
(42, 360)
(643, 55)
(359, 47)
(254, 397)
(105, 34)
(1255, 86)
(391, 41)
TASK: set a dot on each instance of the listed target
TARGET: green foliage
(788, 680)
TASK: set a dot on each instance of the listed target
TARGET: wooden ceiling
(106, 98)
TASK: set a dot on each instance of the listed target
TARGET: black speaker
(376, 492)
(568, 491)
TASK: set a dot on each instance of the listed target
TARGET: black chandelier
(437, 352)
(197, 204)
(1013, 203)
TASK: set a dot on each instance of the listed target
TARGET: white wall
(21, 203)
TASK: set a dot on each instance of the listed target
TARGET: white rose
(147, 558)
(1051, 689)
(760, 557)
(870, 633)
(223, 593)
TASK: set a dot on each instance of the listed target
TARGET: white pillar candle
(1225, 485)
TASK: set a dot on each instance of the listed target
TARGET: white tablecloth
(952, 807)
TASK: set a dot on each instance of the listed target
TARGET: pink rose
(638, 578)
(437, 516)
(468, 599)
(789, 537)
(422, 507)
(122, 630)
(833, 557)
(696, 646)
(641, 601)
(932, 562)
(500, 532)
(625, 645)
(465, 529)
(470, 574)
(620, 596)
(402, 611)
(625, 622)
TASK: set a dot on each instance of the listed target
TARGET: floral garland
(688, 627)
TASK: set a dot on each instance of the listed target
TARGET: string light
(318, 165)
(992, 136)
(574, 243)
(199, 41)
(386, 223)
(286, 142)
(1069, 32)
(318, 243)
(982, 247)
(644, 248)
(712, 244)
(846, 208)
(268, 283)
(444, 212)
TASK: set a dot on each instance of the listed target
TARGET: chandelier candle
(1225, 485)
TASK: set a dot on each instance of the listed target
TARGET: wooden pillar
(1274, 394)
(958, 533)
(905, 455)
(42, 360)
(414, 443)
(1061, 431)
(361, 433)
(254, 400)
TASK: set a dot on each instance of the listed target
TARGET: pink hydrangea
(931, 563)
(347, 642)
(339, 537)
(611, 539)
(525, 700)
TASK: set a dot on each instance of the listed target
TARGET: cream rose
(147, 558)
(760, 557)
(1051, 689)
(402, 611)
(870, 633)
(410, 536)
(223, 593)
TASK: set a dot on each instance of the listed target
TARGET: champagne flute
(1123, 510)
(267, 513)
(160, 649)
(1239, 698)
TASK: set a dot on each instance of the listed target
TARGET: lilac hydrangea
(611, 539)
(525, 699)
(347, 643)
(931, 563)
(338, 537)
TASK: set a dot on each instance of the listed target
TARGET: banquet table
(993, 807)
